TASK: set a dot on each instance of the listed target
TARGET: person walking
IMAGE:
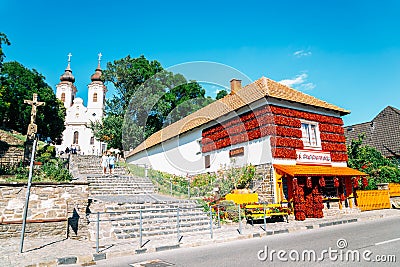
(104, 162)
(111, 163)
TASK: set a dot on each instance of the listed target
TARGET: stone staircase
(159, 218)
(121, 199)
(90, 165)
(108, 185)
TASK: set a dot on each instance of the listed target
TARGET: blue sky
(344, 52)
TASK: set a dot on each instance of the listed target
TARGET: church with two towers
(77, 135)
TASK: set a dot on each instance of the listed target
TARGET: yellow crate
(373, 199)
(242, 198)
(394, 190)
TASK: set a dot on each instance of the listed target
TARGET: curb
(87, 260)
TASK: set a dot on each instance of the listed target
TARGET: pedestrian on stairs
(104, 162)
(111, 163)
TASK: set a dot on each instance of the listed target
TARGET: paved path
(352, 244)
(55, 251)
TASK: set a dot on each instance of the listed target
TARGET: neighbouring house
(382, 133)
(77, 135)
(297, 139)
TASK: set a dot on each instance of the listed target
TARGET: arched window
(92, 140)
(76, 136)
(95, 97)
(63, 97)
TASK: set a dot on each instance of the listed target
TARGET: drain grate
(152, 263)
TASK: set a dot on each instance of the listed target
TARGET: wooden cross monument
(32, 127)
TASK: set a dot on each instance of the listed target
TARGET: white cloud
(302, 53)
(299, 82)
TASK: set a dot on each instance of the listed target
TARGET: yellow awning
(304, 170)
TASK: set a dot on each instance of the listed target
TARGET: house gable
(382, 133)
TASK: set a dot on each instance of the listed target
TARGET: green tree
(221, 94)
(3, 40)
(18, 84)
(369, 160)
(147, 99)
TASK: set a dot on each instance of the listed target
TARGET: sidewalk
(55, 251)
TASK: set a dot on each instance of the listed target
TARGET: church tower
(66, 90)
(96, 95)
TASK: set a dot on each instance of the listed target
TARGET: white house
(296, 140)
(185, 148)
(77, 134)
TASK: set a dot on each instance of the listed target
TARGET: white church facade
(77, 135)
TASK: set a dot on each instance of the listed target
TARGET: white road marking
(387, 241)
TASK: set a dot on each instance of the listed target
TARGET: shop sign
(313, 157)
(236, 152)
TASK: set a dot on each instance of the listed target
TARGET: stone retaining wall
(54, 209)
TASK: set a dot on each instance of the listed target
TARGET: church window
(95, 97)
(63, 97)
(92, 140)
(76, 136)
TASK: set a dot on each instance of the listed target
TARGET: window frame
(308, 143)
(75, 139)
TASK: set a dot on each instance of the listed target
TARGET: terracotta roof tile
(260, 88)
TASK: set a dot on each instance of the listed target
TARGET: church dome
(96, 75)
(67, 76)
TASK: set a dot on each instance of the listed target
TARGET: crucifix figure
(32, 127)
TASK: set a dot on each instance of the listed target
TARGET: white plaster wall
(182, 156)
(65, 88)
(256, 152)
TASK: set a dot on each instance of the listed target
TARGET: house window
(207, 163)
(63, 97)
(310, 134)
(92, 140)
(95, 97)
(76, 136)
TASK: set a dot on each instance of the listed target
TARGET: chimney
(236, 85)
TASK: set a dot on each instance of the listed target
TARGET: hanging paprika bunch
(365, 181)
(336, 182)
(322, 182)
(309, 182)
(295, 185)
(355, 182)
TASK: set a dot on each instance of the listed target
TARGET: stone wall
(54, 209)
(264, 183)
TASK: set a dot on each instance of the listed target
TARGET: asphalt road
(333, 246)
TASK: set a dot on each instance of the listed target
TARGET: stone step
(160, 217)
(134, 233)
(97, 194)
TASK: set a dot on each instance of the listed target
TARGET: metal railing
(138, 214)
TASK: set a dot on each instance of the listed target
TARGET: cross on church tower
(32, 127)
(100, 55)
(69, 57)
